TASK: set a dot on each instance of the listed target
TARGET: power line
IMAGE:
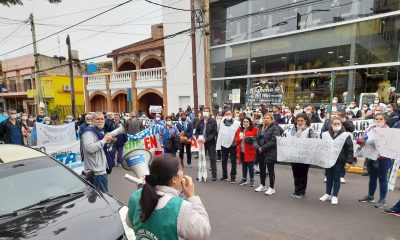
(99, 14)
(180, 58)
(8, 37)
(164, 6)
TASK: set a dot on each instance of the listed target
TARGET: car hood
(93, 215)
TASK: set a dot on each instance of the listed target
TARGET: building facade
(137, 82)
(275, 52)
(19, 79)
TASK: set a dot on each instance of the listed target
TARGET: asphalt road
(237, 212)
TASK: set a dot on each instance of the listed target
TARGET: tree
(8, 3)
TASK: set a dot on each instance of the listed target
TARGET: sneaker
(261, 188)
(342, 180)
(392, 211)
(325, 179)
(334, 201)
(252, 183)
(326, 197)
(223, 179)
(270, 191)
(381, 204)
(297, 195)
(367, 199)
(219, 160)
(233, 180)
(119, 165)
(243, 182)
(214, 179)
(364, 174)
(190, 165)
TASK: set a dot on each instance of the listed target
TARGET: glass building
(293, 51)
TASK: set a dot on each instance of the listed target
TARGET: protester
(365, 111)
(395, 210)
(354, 109)
(158, 120)
(121, 139)
(67, 120)
(297, 110)
(335, 105)
(312, 114)
(158, 210)
(218, 120)
(398, 106)
(47, 121)
(225, 143)
(269, 149)
(289, 118)
(377, 168)
(278, 117)
(377, 109)
(83, 126)
(345, 158)
(378, 103)
(322, 114)
(208, 128)
(94, 151)
(302, 129)
(185, 128)
(31, 121)
(11, 129)
(392, 115)
(133, 125)
(40, 117)
(246, 153)
(169, 137)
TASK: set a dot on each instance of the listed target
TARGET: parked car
(43, 199)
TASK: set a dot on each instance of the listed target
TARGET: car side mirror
(87, 174)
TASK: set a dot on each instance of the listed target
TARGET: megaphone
(118, 131)
(137, 161)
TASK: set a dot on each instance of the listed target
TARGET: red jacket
(249, 150)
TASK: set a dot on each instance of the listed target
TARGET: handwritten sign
(59, 134)
(387, 142)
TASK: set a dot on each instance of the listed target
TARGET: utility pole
(71, 77)
(194, 60)
(37, 69)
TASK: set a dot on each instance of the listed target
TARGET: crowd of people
(239, 137)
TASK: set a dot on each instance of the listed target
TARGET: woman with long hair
(345, 158)
(157, 211)
(301, 129)
(244, 138)
(268, 148)
(377, 166)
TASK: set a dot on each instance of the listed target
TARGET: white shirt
(226, 134)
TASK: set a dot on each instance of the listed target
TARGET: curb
(360, 170)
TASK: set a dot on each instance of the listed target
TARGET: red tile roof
(146, 45)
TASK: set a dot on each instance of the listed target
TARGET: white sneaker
(270, 191)
(261, 188)
(326, 197)
(334, 201)
(325, 179)
(342, 180)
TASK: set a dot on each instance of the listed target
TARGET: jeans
(333, 179)
(300, 176)
(120, 151)
(228, 152)
(247, 166)
(210, 148)
(263, 167)
(100, 182)
(396, 207)
(188, 153)
(271, 172)
(378, 170)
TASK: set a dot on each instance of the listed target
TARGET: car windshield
(27, 182)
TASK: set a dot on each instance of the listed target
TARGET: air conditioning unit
(67, 87)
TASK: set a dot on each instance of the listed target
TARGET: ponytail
(162, 169)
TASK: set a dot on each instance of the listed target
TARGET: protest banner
(150, 139)
(57, 134)
(303, 150)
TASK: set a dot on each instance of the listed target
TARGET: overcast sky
(136, 17)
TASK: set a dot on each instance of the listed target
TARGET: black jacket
(211, 131)
(347, 153)
(269, 148)
(5, 130)
(392, 119)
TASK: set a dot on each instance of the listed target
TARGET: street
(237, 212)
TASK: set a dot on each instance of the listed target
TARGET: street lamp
(314, 11)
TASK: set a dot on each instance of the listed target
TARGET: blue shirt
(16, 135)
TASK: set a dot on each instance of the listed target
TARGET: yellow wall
(53, 85)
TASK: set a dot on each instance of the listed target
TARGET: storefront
(288, 66)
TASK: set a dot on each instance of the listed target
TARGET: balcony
(145, 78)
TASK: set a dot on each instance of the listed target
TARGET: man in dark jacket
(118, 146)
(312, 114)
(134, 125)
(11, 129)
(208, 128)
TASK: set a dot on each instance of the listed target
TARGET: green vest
(162, 223)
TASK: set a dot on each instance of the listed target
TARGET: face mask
(206, 114)
(31, 119)
(336, 128)
(376, 101)
(334, 101)
(288, 114)
(228, 118)
(13, 116)
(237, 118)
(89, 122)
(379, 124)
(199, 115)
(352, 105)
(157, 118)
(169, 123)
(69, 120)
(183, 119)
(390, 110)
(47, 122)
(24, 118)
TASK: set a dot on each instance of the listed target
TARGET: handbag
(185, 140)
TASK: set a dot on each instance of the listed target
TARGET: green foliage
(10, 3)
